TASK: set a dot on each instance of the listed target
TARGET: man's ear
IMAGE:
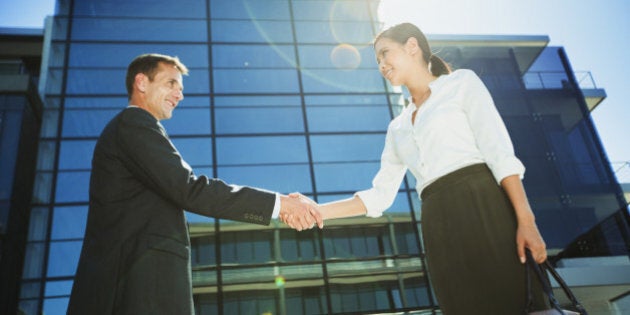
(140, 81)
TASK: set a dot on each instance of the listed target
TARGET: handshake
(300, 212)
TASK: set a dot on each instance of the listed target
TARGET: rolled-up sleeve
(493, 139)
(386, 182)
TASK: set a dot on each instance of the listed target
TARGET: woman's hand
(528, 236)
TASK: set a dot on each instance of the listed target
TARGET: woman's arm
(343, 208)
(527, 234)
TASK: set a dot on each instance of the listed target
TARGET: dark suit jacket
(136, 252)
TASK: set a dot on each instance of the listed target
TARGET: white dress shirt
(457, 126)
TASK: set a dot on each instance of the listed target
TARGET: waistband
(452, 178)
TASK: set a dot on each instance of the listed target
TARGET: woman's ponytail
(438, 66)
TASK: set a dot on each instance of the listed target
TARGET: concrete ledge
(14, 83)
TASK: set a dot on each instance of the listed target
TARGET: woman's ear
(411, 45)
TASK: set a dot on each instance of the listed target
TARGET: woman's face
(394, 60)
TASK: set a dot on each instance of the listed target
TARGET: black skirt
(469, 233)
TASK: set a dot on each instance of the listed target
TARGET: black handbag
(540, 271)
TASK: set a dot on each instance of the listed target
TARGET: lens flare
(345, 56)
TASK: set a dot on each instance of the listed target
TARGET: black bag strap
(540, 271)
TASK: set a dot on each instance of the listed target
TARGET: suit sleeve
(153, 159)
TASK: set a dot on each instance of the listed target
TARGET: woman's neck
(419, 87)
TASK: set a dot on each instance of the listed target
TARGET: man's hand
(299, 215)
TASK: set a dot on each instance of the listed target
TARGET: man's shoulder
(135, 113)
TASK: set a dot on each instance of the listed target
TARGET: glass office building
(285, 95)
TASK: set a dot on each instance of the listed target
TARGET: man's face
(164, 92)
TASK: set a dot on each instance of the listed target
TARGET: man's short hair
(148, 65)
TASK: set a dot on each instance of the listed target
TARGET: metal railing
(622, 171)
(557, 80)
(12, 66)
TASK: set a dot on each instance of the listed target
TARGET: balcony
(558, 80)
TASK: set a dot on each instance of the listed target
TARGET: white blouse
(457, 126)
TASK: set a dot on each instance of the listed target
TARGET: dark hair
(402, 32)
(148, 65)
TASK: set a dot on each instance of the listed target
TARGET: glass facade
(285, 95)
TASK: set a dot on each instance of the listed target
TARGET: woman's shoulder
(459, 78)
(463, 74)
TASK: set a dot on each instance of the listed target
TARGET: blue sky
(593, 32)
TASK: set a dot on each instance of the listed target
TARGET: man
(136, 252)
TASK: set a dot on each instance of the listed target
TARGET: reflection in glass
(255, 81)
(69, 222)
(63, 258)
(72, 186)
(117, 29)
(259, 120)
(253, 56)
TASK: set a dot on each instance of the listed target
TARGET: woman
(476, 219)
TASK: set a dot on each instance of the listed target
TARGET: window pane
(112, 81)
(86, 123)
(55, 305)
(345, 176)
(334, 32)
(355, 81)
(276, 32)
(76, 155)
(259, 120)
(344, 118)
(261, 150)
(255, 81)
(306, 300)
(43, 187)
(30, 306)
(38, 224)
(63, 258)
(101, 81)
(244, 247)
(267, 100)
(331, 10)
(189, 121)
(253, 56)
(33, 261)
(203, 249)
(250, 302)
(367, 147)
(347, 99)
(284, 179)
(195, 151)
(107, 55)
(162, 30)
(72, 186)
(142, 8)
(400, 207)
(121, 102)
(69, 222)
(357, 241)
(249, 9)
(337, 56)
(299, 246)
(57, 288)
(110, 102)
(416, 291)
